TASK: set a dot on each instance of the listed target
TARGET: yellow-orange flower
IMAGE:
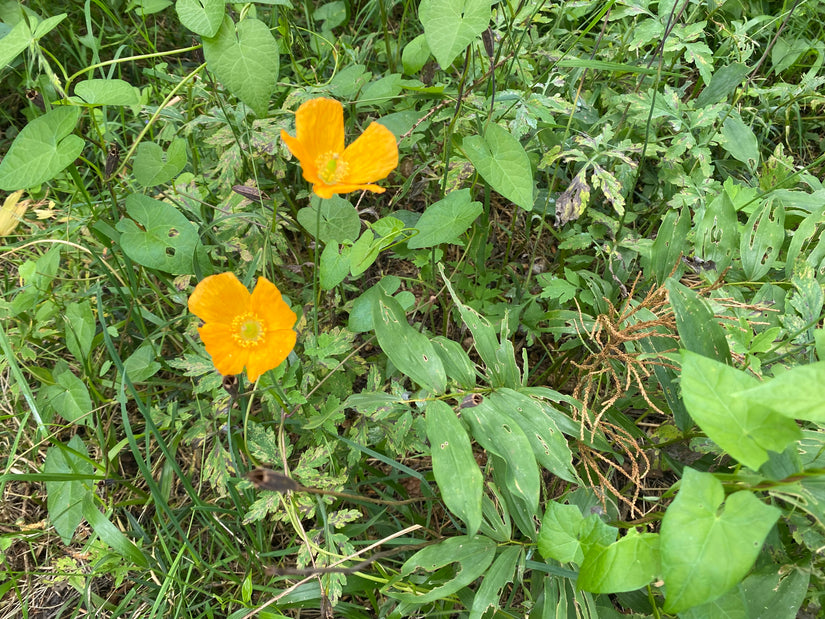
(319, 146)
(242, 329)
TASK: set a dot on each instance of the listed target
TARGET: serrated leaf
(408, 349)
(202, 17)
(572, 201)
(451, 25)
(500, 159)
(165, 240)
(745, 429)
(244, 57)
(153, 167)
(446, 220)
(454, 466)
(706, 549)
(106, 92)
(43, 149)
(65, 499)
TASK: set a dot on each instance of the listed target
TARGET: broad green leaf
(740, 142)
(360, 316)
(111, 535)
(446, 220)
(64, 499)
(717, 234)
(451, 25)
(454, 466)
(745, 429)
(798, 393)
(408, 349)
(79, 330)
(202, 17)
(559, 533)
(625, 565)
(502, 162)
(106, 92)
(164, 239)
(762, 240)
(334, 266)
(670, 244)
(154, 167)
(15, 42)
(244, 57)
(500, 574)
(69, 397)
(548, 443)
(706, 549)
(142, 364)
(775, 594)
(41, 150)
(415, 55)
(499, 434)
(473, 554)
(339, 221)
(724, 81)
(730, 605)
(698, 329)
(457, 363)
(150, 7)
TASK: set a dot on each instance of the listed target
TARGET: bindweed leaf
(446, 220)
(451, 25)
(154, 167)
(65, 498)
(202, 17)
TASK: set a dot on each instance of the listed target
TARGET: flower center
(331, 168)
(248, 330)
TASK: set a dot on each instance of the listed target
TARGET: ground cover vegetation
(382, 308)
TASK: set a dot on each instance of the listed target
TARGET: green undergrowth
(570, 363)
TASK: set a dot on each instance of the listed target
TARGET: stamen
(248, 330)
(331, 168)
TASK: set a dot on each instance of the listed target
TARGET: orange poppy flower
(319, 146)
(242, 329)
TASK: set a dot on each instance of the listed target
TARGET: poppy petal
(319, 127)
(272, 354)
(323, 190)
(227, 357)
(308, 167)
(209, 299)
(372, 156)
(268, 304)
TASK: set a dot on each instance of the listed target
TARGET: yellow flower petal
(327, 191)
(219, 298)
(277, 348)
(227, 357)
(371, 157)
(267, 303)
(308, 167)
(319, 127)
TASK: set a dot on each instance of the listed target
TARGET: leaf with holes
(244, 57)
(154, 167)
(41, 150)
(762, 240)
(157, 236)
(454, 466)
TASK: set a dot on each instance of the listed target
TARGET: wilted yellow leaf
(11, 212)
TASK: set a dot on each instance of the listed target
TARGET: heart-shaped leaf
(154, 167)
(165, 239)
(65, 498)
(451, 25)
(42, 150)
(244, 57)
(446, 220)
(202, 17)
(106, 92)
